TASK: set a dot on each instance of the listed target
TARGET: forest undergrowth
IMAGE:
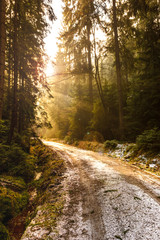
(144, 152)
(24, 178)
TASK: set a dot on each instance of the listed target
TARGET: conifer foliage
(23, 27)
(114, 87)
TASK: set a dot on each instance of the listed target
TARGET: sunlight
(49, 70)
(51, 40)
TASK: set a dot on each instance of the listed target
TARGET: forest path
(106, 199)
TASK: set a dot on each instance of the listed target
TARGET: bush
(24, 170)
(15, 162)
(4, 235)
(69, 140)
(16, 155)
(4, 149)
(6, 207)
(110, 144)
(11, 203)
(149, 140)
(40, 154)
(3, 131)
(23, 141)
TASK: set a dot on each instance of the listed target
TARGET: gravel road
(106, 199)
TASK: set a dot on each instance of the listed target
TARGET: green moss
(15, 181)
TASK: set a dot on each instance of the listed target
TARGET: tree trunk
(118, 71)
(9, 47)
(2, 52)
(89, 62)
(15, 57)
(21, 109)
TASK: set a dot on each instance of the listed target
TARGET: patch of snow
(152, 165)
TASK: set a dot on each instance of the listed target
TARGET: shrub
(16, 155)
(40, 154)
(110, 144)
(149, 140)
(11, 203)
(3, 131)
(6, 207)
(24, 169)
(16, 162)
(4, 149)
(23, 140)
(10, 156)
(69, 140)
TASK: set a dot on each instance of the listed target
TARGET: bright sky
(51, 39)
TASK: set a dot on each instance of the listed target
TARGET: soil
(105, 199)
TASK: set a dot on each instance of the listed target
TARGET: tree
(143, 99)
(15, 100)
(118, 71)
(26, 29)
(2, 52)
(77, 37)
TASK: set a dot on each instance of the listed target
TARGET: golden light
(51, 40)
(49, 71)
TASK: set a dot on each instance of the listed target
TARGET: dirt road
(106, 199)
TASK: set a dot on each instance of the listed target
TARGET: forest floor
(104, 199)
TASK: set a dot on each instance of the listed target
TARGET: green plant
(68, 139)
(16, 155)
(11, 203)
(3, 131)
(149, 140)
(15, 162)
(24, 169)
(110, 144)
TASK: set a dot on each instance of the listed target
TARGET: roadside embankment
(128, 152)
(30, 190)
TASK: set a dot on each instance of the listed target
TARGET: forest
(23, 27)
(106, 82)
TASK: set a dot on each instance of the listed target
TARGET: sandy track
(106, 199)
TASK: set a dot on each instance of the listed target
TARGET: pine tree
(2, 51)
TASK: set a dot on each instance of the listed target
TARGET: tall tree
(15, 86)
(76, 35)
(2, 52)
(118, 70)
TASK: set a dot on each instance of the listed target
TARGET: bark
(9, 71)
(2, 52)
(118, 71)
(15, 48)
(21, 112)
(89, 62)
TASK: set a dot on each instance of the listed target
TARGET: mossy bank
(27, 182)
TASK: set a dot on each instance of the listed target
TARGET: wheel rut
(105, 199)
